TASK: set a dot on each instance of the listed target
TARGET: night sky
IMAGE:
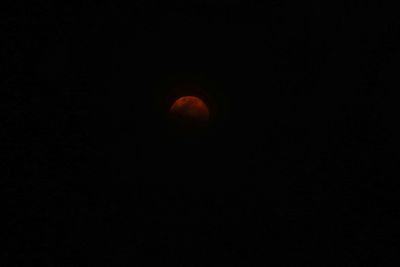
(292, 169)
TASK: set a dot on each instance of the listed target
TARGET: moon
(190, 110)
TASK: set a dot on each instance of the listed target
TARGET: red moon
(190, 109)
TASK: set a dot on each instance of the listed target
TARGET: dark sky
(291, 171)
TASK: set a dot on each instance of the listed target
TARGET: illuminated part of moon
(190, 109)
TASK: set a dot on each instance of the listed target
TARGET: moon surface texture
(190, 110)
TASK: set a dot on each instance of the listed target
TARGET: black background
(291, 171)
